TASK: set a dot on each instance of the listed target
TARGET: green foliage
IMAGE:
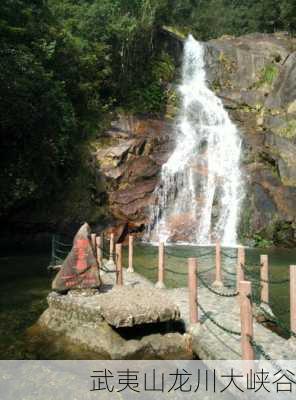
(149, 99)
(151, 95)
(163, 70)
(65, 65)
(36, 117)
(213, 18)
(268, 75)
(261, 242)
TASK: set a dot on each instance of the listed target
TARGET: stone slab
(128, 306)
(120, 307)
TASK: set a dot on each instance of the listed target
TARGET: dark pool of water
(24, 286)
(25, 283)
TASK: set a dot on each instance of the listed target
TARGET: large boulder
(80, 268)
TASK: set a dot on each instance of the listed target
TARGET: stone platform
(121, 307)
(134, 321)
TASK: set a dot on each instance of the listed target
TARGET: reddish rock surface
(130, 165)
(80, 269)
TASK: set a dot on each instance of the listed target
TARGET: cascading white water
(201, 184)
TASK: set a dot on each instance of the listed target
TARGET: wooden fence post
(130, 253)
(93, 243)
(245, 292)
(119, 272)
(293, 299)
(161, 266)
(99, 250)
(264, 276)
(192, 288)
(218, 277)
(111, 245)
(241, 259)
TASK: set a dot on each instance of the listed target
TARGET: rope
(107, 253)
(186, 273)
(175, 272)
(214, 291)
(269, 281)
(149, 268)
(149, 250)
(63, 252)
(275, 282)
(206, 270)
(54, 261)
(172, 254)
(232, 332)
(59, 259)
(277, 321)
(228, 272)
(228, 256)
(108, 271)
(205, 254)
(63, 244)
(259, 349)
(255, 283)
(254, 299)
(252, 266)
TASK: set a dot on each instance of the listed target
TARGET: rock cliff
(255, 76)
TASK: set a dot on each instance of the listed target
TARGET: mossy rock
(289, 131)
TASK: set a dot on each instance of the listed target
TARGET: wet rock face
(130, 164)
(255, 76)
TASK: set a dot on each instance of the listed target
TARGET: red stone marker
(111, 245)
(245, 291)
(192, 288)
(241, 259)
(119, 272)
(130, 253)
(218, 277)
(80, 268)
(293, 298)
(160, 283)
(264, 279)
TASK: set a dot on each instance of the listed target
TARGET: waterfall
(200, 190)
